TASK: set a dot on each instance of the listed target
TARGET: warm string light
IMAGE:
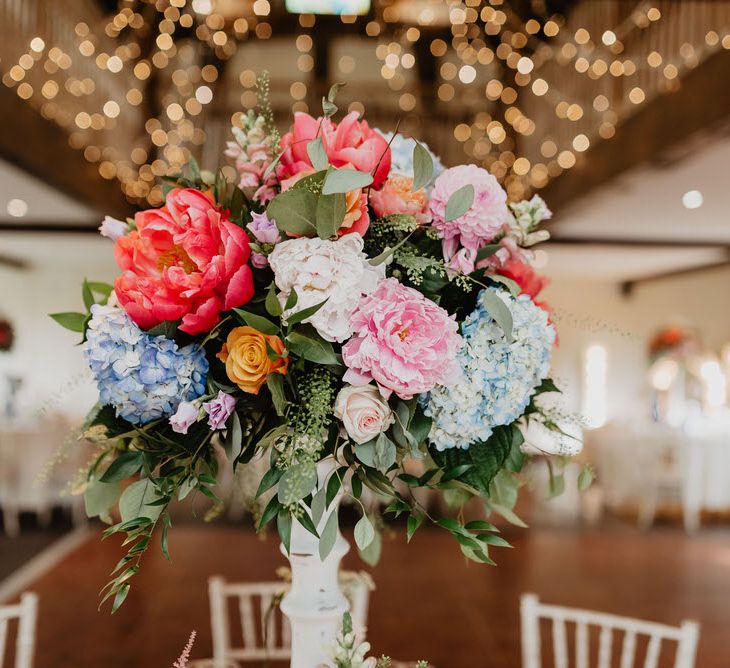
(487, 40)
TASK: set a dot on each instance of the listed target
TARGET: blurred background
(615, 111)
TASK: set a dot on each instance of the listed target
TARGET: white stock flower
(319, 269)
(363, 412)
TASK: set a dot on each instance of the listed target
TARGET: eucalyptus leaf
(585, 478)
(99, 497)
(499, 311)
(234, 437)
(295, 212)
(331, 211)
(371, 554)
(328, 537)
(296, 482)
(136, 501)
(487, 251)
(319, 502)
(344, 180)
(422, 167)
(508, 283)
(283, 524)
(317, 154)
(364, 533)
(459, 203)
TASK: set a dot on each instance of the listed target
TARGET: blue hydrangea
(498, 377)
(143, 377)
(401, 151)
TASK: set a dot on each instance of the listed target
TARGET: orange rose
(247, 359)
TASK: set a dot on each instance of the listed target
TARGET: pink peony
(350, 142)
(397, 196)
(403, 341)
(186, 260)
(487, 214)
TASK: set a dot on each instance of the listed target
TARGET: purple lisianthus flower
(219, 409)
(264, 229)
(185, 416)
(111, 228)
(259, 260)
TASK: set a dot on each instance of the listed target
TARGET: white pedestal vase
(315, 603)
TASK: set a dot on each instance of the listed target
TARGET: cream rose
(363, 412)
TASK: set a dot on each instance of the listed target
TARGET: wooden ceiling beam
(702, 102)
(40, 147)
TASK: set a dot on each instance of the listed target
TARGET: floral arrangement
(675, 341)
(7, 335)
(348, 299)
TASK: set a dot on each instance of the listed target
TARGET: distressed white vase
(315, 603)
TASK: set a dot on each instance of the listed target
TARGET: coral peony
(403, 341)
(487, 214)
(397, 196)
(246, 356)
(530, 282)
(349, 142)
(186, 261)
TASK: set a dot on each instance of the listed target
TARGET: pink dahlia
(186, 260)
(403, 341)
(350, 142)
(487, 214)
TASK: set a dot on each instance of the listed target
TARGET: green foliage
(459, 203)
(422, 167)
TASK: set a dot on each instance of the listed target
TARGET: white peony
(363, 412)
(319, 269)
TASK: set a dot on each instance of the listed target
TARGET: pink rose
(363, 412)
(403, 341)
(487, 214)
(350, 142)
(397, 196)
(186, 260)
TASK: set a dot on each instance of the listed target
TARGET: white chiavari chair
(532, 611)
(26, 612)
(265, 631)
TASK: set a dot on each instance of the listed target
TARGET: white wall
(45, 354)
(589, 312)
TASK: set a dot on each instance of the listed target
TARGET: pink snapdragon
(403, 341)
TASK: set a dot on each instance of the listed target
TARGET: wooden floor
(429, 602)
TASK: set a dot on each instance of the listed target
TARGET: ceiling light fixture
(692, 199)
(17, 208)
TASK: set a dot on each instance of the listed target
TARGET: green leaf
(364, 533)
(124, 466)
(503, 489)
(119, 598)
(491, 539)
(295, 212)
(371, 554)
(331, 211)
(136, 501)
(487, 251)
(258, 322)
(345, 180)
(585, 477)
(508, 283)
(273, 306)
(516, 458)
(317, 154)
(334, 483)
(269, 479)
(283, 524)
(315, 350)
(166, 524)
(414, 521)
(422, 167)
(101, 288)
(455, 472)
(305, 313)
(306, 521)
(271, 510)
(459, 203)
(380, 453)
(291, 300)
(356, 485)
(72, 321)
(334, 89)
(87, 295)
(168, 329)
(420, 425)
(328, 536)
(508, 514)
(296, 482)
(556, 485)
(275, 383)
(234, 437)
(99, 498)
(499, 311)
(319, 503)
(480, 525)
